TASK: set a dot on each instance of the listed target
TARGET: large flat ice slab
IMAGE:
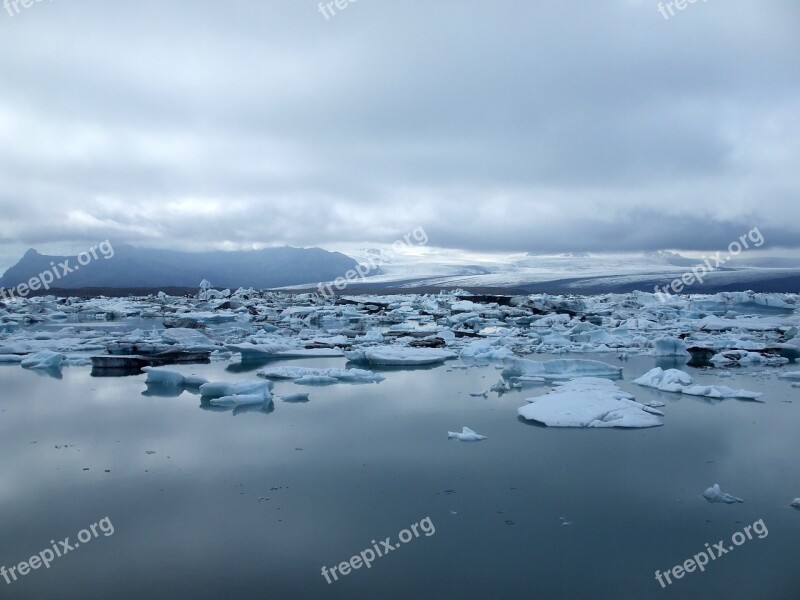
(559, 368)
(343, 375)
(590, 402)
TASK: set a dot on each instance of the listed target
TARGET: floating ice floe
(165, 377)
(590, 402)
(400, 356)
(713, 494)
(796, 503)
(487, 350)
(668, 346)
(329, 375)
(677, 381)
(466, 435)
(241, 400)
(560, 368)
(219, 389)
(43, 360)
(671, 380)
(790, 375)
(296, 398)
(256, 352)
(744, 357)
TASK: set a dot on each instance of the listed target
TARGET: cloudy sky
(505, 126)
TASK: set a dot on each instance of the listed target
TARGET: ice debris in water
(305, 373)
(713, 494)
(590, 402)
(560, 368)
(675, 380)
(45, 359)
(466, 435)
(167, 378)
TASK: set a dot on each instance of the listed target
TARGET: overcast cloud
(503, 126)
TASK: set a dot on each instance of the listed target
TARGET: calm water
(252, 505)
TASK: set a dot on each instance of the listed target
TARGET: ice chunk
(590, 402)
(344, 375)
(45, 359)
(241, 400)
(167, 378)
(256, 352)
(299, 397)
(405, 356)
(796, 503)
(671, 380)
(668, 346)
(560, 368)
(720, 391)
(219, 389)
(466, 435)
(713, 494)
(490, 350)
(675, 380)
(790, 375)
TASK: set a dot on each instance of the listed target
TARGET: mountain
(126, 266)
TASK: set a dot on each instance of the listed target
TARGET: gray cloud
(528, 126)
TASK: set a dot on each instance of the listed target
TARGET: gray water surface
(253, 504)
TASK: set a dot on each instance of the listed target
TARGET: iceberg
(590, 402)
(401, 356)
(295, 398)
(256, 352)
(677, 381)
(241, 400)
(45, 359)
(719, 391)
(466, 435)
(671, 380)
(220, 389)
(165, 377)
(560, 368)
(713, 494)
(337, 375)
(668, 346)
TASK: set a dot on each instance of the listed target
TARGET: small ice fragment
(713, 494)
(796, 503)
(240, 400)
(300, 397)
(466, 435)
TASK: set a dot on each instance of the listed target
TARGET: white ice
(43, 360)
(590, 402)
(344, 375)
(713, 494)
(560, 368)
(677, 381)
(466, 435)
